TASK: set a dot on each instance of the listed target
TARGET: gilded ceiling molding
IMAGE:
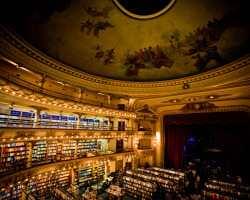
(15, 48)
(143, 17)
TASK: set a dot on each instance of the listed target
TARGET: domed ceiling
(97, 37)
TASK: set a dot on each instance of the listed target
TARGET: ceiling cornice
(19, 51)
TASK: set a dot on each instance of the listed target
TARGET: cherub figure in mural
(134, 64)
(88, 25)
(109, 56)
(100, 53)
(102, 26)
(94, 13)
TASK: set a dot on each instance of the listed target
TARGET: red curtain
(234, 139)
(176, 138)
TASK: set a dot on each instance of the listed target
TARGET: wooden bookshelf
(63, 122)
(12, 193)
(39, 153)
(51, 150)
(138, 189)
(12, 153)
(68, 149)
(225, 190)
(14, 118)
(93, 174)
(72, 123)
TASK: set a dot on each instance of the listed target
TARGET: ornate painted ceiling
(98, 38)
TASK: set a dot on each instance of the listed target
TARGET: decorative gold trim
(143, 17)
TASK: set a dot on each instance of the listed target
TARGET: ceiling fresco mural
(96, 37)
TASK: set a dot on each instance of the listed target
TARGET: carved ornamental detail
(145, 113)
(25, 134)
(198, 106)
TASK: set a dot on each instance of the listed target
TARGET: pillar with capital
(109, 119)
(79, 119)
(31, 147)
(37, 113)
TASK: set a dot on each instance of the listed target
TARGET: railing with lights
(24, 85)
(97, 107)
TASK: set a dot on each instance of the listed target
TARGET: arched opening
(229, 133)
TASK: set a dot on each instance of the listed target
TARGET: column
(109, 119)
(130, 124)
(79, 119)
(24, 191)
(136, 123)
(108, 140)
(38, 112)
(31, 146)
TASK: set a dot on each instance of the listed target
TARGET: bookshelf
(17, 192)
(82, 147)
(96, 124)
(4, 117)
(178, 177)
(14, 118)
(92, 145)
(138, 189)
(39, 153)
(26, 119)
(72, 123)
(165, 184)
(93, 174)
(12, 153)
(84, 174)
(12, 193)
(6, 194)
(84, 123)
(225, 190)
(68, 149)
(51, 151)
(48, 180)
(91, 124)
(63, 122)
(55, 120)
(105, 125)
(44, 121)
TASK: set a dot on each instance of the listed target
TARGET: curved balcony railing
(63, 126)
(24, 164)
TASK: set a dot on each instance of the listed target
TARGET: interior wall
(112, 165)
(147, 159)
(119, 165)
(112, 145)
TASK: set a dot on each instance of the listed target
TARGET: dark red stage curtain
(234, 139)
(177, 136)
